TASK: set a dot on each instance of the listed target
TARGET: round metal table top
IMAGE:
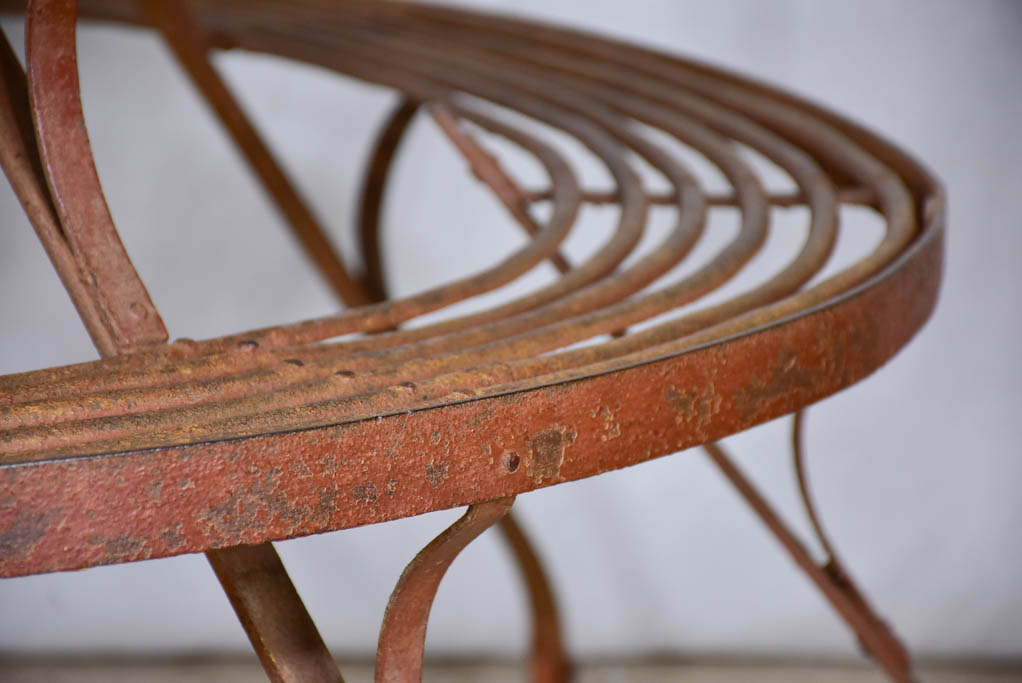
(369, 415)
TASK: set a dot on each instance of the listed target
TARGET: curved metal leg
(885, 647)
(831, 579)
(549, 663)
(275, 619)
(403, 635)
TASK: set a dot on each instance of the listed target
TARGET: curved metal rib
(874, 635)
(370, 207)
(798, 460)
(403, 634)
(126, 311)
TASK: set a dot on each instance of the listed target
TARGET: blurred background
(916, 470)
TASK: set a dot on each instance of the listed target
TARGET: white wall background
(917, 470)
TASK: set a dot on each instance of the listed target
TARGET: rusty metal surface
(116, 308)
(213, 445)
(875, 636)
(374, 185)
(403, 634)
(549, 662)
(126, 311)
(24, 170)
(275, 619)
(279, 627)
(280, 432)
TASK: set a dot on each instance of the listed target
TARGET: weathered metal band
(190, 498)
(210, 444)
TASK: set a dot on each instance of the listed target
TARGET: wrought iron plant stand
(501, 401)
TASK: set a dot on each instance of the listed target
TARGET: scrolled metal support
(403, 634)
(798, 460)
(832, 565)
(876, 638)
(548, 661)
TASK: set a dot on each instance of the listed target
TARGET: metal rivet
(511, 461)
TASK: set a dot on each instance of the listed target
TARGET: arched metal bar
(403, 634)
(373, 188)
(20, 161)
(117, 310)
(192, 47)
(854, 196)
(123, 304)
(798, 460)
(832, 565)
(878, 640)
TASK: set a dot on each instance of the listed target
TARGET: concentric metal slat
(216, 444)
(291, 379)
(284, 431)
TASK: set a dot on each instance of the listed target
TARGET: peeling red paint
(198, 511)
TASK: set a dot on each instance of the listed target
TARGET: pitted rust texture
(224, 444)
(547, 453)
(281, 432)
(23, 531)
(403, 634)
(204, 489)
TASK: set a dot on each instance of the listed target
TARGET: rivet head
(511, 461)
